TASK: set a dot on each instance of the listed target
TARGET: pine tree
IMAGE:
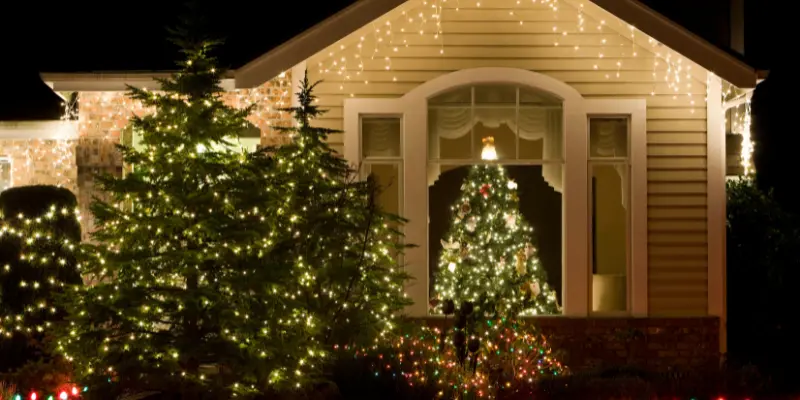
(489, 257)
(183, 297)
(221, 272)
(345, 261)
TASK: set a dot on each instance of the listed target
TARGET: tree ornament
(511, 221)
(464, 252)
(451, 267)
(471, 224)
(529, 250)
(535, 288)
(433, 303)
(512, 185)
(465, 209)
(521, 260)
(451, 245)
(485, 190)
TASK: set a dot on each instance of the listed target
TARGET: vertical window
(609, 193)
(495, 179)
(5, 173)
(382, 157)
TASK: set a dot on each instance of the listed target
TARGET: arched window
(559, 149)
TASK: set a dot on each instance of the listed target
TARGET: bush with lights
(220, 272)
(39, 235)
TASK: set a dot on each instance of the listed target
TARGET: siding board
(492, 36)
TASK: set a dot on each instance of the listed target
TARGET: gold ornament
(521, 259)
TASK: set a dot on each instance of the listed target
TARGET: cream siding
(491, 36)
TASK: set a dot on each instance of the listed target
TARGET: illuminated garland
(62, 394)
(507, 357)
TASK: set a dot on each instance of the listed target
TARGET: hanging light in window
(488, 152)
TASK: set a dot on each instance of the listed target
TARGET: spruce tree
(182, 296)
(220, 272)
(345, 260)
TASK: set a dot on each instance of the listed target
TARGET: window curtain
(609, 139)
(381, 137)
(543, 124)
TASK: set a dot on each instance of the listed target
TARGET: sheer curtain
(542, 123)
(608, 139)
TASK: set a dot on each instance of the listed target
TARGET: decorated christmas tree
(489, 255)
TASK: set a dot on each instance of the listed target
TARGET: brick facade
(653, 344)
(41, 162)
(103, 116)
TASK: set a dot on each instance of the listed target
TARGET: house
(611, 118)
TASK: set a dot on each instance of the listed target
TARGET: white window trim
(636, 110)
(413, 108)
(10, 162)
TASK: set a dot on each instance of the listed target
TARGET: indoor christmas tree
(489, 258)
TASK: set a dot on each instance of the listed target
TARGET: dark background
(93, 35)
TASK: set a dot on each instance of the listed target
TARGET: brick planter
(653, 344)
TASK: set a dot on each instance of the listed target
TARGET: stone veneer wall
(41, 162)
(103, 116)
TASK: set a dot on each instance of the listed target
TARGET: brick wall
(654, 344)
(103, 116)
(41, 162)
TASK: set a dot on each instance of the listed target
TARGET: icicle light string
(426, 17)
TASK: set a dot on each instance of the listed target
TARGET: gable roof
(362, 12)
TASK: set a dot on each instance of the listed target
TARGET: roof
(297, 49)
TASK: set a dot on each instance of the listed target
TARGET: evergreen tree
(345, 259)
(488, 257)
(183, 298)
(220, 272)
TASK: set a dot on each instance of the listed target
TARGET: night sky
(93, 35)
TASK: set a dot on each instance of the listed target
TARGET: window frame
(594, 161)
(413, 107)
(8, 160)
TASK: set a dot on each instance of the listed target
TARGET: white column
(415, 198)
(575, 282)
(715, 140)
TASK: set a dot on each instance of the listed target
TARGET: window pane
(608, 137)
(541, 133)
(609, 248)
(494, 128)
(496, 230)
(388, 177)
(5, 173)
(533, 97)
(380, 137)
(496, 95)
(460, 96)
(449, 133)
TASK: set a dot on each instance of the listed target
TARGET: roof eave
(682, 40)
(112, 81)
(308, 43)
